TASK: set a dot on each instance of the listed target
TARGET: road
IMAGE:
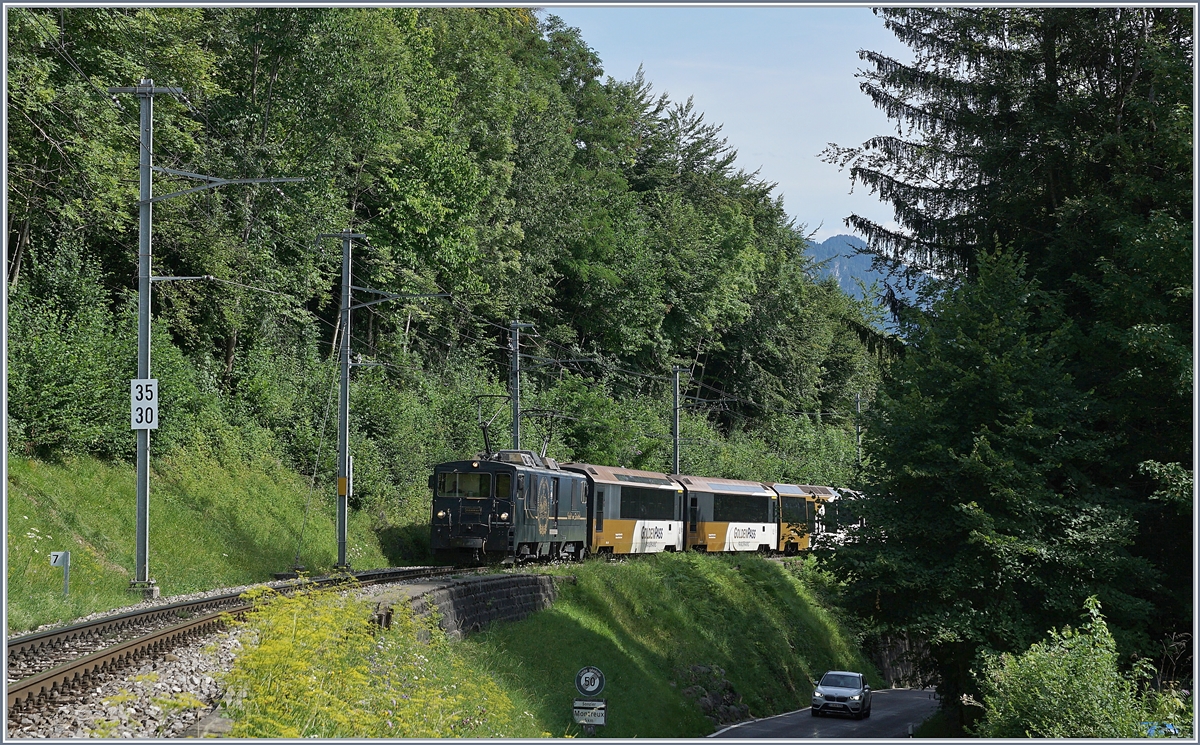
(892, 710)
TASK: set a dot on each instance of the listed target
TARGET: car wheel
(815, 712)
(867, 713)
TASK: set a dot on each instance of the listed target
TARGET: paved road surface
(892, 710)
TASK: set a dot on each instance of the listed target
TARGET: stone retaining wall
(902, 661)
(470, 603)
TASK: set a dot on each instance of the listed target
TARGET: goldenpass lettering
(652, 533)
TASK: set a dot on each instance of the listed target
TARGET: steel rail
(83, 668)
(53, 637)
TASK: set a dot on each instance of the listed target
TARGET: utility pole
(146, 90)
(514, 380)
(857, 429)
(345, 475)
(675, 420)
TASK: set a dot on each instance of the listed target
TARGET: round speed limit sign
(589, 681)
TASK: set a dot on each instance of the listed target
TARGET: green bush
(69, 365)
(1066, 686)
(313, 665)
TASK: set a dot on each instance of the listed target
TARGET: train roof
(803, 489)
(519, 458)
(821, 491)
(617, 475)
(726, 486)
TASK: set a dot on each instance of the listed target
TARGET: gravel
(144, 700)
(151, 699)
(158, 698)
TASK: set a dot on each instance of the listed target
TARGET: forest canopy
(486, 157)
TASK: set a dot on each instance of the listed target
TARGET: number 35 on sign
(143, 404)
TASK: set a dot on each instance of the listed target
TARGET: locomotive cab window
(504, 486)
(469, 485)
(532, 496)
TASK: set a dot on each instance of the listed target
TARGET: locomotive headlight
(441, 513)
(503, 515)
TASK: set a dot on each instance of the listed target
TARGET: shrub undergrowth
(1071, 686)
(313, 665)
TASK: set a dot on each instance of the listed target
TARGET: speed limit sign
(143, 404)
(589, 681)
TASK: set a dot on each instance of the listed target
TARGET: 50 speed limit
(143, 404)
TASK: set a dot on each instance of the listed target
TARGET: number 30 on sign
(143, 404)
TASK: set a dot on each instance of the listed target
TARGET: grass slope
(211, 525)
(648, 622)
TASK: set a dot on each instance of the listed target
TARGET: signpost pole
(590, 711)
(63, 559)
(141, 562)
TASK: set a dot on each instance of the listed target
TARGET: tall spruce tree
(1063, 135)
(985, 529)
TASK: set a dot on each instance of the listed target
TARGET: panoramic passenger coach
(730, 515)
(633, 512)
(797, 516)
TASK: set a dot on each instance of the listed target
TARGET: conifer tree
(1062, 135)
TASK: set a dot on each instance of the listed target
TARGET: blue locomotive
(512, 503)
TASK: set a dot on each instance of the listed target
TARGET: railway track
(53, 663)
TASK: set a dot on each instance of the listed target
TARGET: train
(516, 505)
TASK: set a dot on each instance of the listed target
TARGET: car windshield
(837, 680)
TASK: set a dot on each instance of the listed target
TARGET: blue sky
(780, 80)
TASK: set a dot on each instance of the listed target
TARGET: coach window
(599, 510)
(638, 503)
(794, 510)
(741, 508)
